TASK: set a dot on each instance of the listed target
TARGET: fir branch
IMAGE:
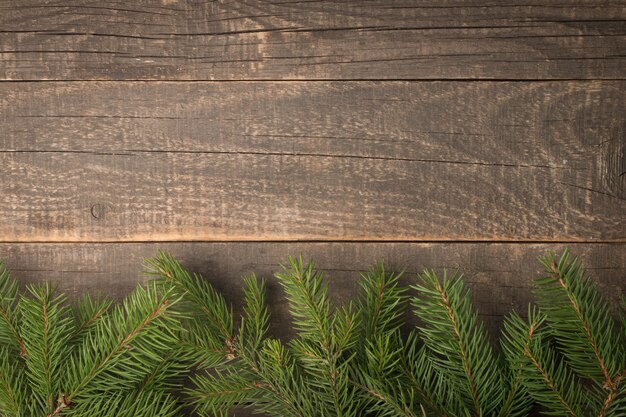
(90, 361)
(583, 324)
(324, 336)
(463, 349)
(88, 311)
(452, 331)
(255, 321)
(388, 379)
(139, 328)
(280, 376)
(280, 390)
(9, 333)
(203, 347)
(46, 327)
(388, 404)
(120, 404)
(381, 302)
(166, 373)
(608, 402)
(223, 391)
(354, 361)
(541, 368)
(12, 387)
(199, 293)
(383, 380)
(307, 295)
(432, 386)
(616, 405)
(517, 402)
(550, 381)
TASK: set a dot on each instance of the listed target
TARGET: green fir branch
(256, 318)
(582, 322)
(87, 313)
(46, 327)
(9, 333)
(90, 359)
(324, 336)
(458, 340)
(200, 302)
(13, 388)
(543, 372)
(121, 346)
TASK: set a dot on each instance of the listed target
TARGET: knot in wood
(97, 211)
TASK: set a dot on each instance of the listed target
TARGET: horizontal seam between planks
(321, 80)
(330, 240)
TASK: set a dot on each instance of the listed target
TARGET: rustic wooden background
(438, 133)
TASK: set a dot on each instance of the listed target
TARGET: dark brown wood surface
(432, 134)
(348, 40)
(500, 275)
(313, 161)
(440, 133)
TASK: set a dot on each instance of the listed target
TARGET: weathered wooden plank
(312, 161)
(375, 39)
(500, 274)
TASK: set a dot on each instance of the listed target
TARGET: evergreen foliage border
(564, 356)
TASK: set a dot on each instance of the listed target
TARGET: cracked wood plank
(382, 161)
(500, 275)
(279, 40)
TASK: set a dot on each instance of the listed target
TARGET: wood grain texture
(134, 161)
(363, 39)
(500, 275)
